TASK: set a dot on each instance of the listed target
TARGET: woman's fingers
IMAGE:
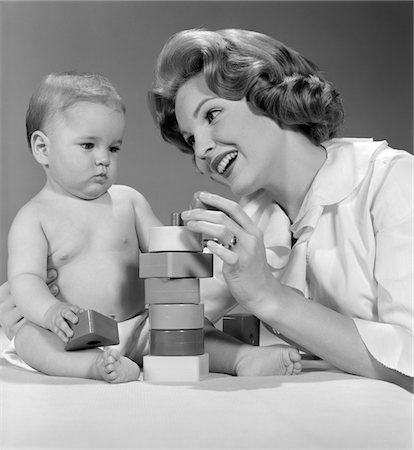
(206, 203)
(51, 277)
(223, 253)
(216, 231)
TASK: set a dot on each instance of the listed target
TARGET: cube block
(243, 326)
(176, 369)
(93, 330)
(175, 265)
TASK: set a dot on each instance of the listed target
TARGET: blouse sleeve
(390, 340)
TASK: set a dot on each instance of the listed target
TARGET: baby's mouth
(223, 163)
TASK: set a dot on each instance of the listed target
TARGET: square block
(174, 239)
(175, 265)
(176, 369)
(93, 330)
(243, 326)
(172, 290)
(178, 316)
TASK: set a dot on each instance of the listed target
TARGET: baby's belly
(108, 285)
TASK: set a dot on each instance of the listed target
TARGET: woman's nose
(203, 144)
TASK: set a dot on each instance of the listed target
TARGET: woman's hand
(242, 250)
(10, 317)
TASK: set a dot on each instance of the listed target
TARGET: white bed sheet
(317, 409)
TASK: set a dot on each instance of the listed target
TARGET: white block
(174, 239)
(175, 369)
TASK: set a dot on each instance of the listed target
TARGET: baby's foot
(114, 368)
(270, 360)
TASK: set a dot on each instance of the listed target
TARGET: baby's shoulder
(29, 216)
(122, 193)
(33, 208)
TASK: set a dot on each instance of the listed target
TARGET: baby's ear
(40, 147)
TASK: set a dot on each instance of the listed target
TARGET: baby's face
(84, 141)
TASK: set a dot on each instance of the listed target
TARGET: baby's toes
(297, 368)
(294, 355)
(111, 357)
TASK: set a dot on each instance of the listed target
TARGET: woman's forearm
(323, 332)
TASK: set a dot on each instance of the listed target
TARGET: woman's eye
(87, 146)
(212, 114)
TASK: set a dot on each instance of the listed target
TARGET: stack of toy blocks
(172, 269)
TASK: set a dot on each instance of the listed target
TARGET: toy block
(175, 265)
(242, 326)
(176, 369)
(172, 290)
(176, 316)
(93, 330)
(174, 239)
(177, 342)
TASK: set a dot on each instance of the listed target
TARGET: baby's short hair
(59, 91)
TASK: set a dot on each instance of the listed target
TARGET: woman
(320, 245)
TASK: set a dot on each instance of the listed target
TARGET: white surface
(321, 409)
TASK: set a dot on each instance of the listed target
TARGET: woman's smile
(232, 143)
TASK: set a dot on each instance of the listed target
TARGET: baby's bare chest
(92, 235)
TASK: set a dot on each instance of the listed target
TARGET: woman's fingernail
(204, 195)
(51, 273)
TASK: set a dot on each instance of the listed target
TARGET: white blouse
(354, 249)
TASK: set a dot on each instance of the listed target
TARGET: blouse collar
(348, 161)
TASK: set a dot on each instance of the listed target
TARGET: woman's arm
(322, 331)
(11, 318)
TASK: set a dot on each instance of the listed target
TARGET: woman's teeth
(225, 162)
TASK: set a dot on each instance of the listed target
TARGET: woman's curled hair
(277, 80)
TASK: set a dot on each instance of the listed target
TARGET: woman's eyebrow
(197, 110)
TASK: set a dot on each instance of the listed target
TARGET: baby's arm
(27, 276)
(144, 219)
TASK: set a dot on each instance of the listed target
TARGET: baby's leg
(229, 355)
(270, 360)
(44, 351)
(114, 368)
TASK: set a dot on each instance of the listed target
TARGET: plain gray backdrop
(365, 48)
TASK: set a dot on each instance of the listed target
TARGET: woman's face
(232, 143)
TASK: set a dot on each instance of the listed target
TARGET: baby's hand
(58, 316)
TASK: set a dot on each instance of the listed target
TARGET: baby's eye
(114, 149)
(212, 114)
(87, 145)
